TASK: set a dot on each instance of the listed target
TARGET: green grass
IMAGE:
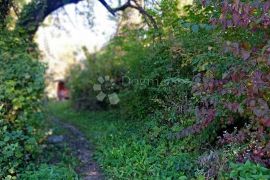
(123, 148)
(95, 124)
(50, 172)
(55, 160)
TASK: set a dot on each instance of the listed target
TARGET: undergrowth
(197, 91)
(135, 149)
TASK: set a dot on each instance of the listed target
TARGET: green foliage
(248, 171)
(113, 61)
(21, 88)
(124, 150)
(4, 11)
(50, 172)
(202, 86)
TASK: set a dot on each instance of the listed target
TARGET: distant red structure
(62, 91)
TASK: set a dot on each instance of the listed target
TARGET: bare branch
(136, 6)
(123, 7)
(105, 4)
(144, 13)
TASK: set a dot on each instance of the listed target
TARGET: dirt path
(83, 150)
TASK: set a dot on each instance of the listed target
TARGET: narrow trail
(83, 150)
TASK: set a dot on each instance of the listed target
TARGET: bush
(232, 84)
(21, 88)
(123, 148)
(50, 172)
(100, 65)
(248, 171)
(204, 84)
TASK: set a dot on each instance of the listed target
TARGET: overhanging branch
(35, 12)
(132, 4)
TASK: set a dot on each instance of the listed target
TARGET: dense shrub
(21, 88)
(248, 170)
(50, 172)
(84, 79)
(204, 81)
(232, 85)
(125, 150)
(81, 87)
(233, 89)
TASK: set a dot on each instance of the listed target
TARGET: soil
(82, 149)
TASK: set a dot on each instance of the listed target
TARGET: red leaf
(245, 54)
(266, 122)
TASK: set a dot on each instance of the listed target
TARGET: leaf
(245, 54)
(195, 28)
(186, 25)
(236, 18)
(209, 27)
(266, 122)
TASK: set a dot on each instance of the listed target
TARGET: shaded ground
(82, 149)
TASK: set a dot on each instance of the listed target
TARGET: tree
(35, 12)
(4, 10)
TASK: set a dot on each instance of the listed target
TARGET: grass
(123, 148)
(94, 125)
(56, 160)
